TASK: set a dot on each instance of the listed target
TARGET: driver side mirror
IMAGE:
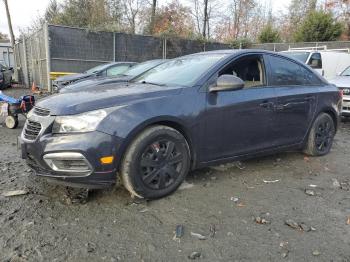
(227, 83)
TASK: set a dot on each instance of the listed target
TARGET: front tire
(321, 136)
(156, 163)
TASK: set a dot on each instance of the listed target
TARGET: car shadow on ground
(202, 178)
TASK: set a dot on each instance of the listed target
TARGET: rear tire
(156, 163)
(321, 136)
(11, 122)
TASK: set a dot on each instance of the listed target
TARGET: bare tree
(132, 9)
(242, 11)
(341, 12)
(203, 12)
(244, 19)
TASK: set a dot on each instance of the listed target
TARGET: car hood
(72, 77)
(341, 81)
(93, 83)
(105, 96)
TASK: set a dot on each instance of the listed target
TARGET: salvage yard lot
(241, 209)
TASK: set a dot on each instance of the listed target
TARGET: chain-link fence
(277, 47)
(32, 59)
(61, 49)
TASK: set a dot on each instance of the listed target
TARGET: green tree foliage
(52, 11)
(318, 26)
(94, 14)
(269, 35)
(240, 43)
(298, 11)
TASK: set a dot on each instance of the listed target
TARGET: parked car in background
(327, 63)
(5, 76)
(342, 81)
(190, 112)
(131, 73)
(104, 70)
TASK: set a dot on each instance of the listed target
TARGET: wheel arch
(172, 122)
(333, 114)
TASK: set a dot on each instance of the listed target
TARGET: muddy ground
(240, 217)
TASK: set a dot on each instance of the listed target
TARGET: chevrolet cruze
(190, 112)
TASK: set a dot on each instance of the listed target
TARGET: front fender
(128, 121)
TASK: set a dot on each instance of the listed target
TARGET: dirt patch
(258, 210)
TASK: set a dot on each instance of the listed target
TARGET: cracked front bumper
(90, 146)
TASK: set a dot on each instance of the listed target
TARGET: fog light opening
(74, 163)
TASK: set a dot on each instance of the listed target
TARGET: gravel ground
(239, 210)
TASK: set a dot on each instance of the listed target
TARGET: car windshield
(346, 72)
(142, 67)
(301, 56)
(183, 71)
(96, 69)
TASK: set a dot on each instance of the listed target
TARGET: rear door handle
(280, 107)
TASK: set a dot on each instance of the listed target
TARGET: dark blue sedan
(190, 112)
(100, 71)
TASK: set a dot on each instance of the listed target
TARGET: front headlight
(85, 122)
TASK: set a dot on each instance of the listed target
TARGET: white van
(327, 63)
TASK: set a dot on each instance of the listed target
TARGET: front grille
(41, 111)
(31, 130)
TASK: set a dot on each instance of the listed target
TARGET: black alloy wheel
(156, 162)
(161, 164)
(321, 136)
(324, 135)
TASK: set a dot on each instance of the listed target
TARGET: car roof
(237, 51)
(121, 63)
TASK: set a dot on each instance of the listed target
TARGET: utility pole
(12, 36)
(9, 24)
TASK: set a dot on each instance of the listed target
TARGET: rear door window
(285, 72)
(288, 73)
(310, 78)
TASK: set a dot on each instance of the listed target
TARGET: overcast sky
(23, 12)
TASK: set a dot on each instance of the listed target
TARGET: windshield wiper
(151, 83)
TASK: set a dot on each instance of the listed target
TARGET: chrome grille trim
(41, 111)
(31, 130)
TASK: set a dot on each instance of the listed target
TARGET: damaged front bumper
(72, 159)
